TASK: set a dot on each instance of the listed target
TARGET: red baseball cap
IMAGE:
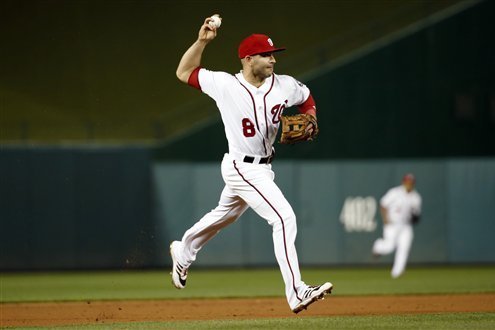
(257, 44)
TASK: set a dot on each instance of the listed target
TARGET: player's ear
(246, 61)
(251, 60)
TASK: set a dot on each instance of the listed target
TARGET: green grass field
(429, 321)
(123, 285)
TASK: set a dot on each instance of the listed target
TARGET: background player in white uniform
(250, 104)
(400, 208)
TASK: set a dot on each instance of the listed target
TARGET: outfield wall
(78, 208)
(85, 207)
(336, 205)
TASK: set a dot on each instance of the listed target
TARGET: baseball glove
(296, 128)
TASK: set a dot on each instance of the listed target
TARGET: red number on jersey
(248, 127)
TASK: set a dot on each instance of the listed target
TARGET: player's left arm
(308, 107)
(304, 126)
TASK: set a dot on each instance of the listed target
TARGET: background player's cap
(409, 177)
(257, 44)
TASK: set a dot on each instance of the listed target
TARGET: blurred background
(105, 157)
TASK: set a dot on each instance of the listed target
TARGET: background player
(250, 104)
(400, 208)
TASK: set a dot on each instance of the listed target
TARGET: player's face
(262, 65)
(409, 185)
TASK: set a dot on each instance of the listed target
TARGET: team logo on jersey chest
(277, 111)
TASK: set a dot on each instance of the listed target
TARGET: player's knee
(291, 216)
(289, 219)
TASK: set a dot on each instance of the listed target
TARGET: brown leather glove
(297, 128)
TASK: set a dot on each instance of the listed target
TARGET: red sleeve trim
(194, 78)
(308, 106)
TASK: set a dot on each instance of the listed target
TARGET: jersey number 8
(248, 127)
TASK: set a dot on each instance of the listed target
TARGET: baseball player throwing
(250, 104)
(400, 208)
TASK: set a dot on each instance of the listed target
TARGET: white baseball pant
(398, 237)
(251, 185)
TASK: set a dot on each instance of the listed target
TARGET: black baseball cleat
(179, 272)
(313, 294)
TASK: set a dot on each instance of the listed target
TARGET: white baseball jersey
(251, 115)
(401, 204)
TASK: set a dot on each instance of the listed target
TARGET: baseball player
(400, 208)
(250, 104)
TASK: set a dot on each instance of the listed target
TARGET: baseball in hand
(215, 21)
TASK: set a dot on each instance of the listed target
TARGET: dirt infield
(104, 312)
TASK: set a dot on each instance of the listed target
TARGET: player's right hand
(206, 32)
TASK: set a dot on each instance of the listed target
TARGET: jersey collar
(263, 88)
